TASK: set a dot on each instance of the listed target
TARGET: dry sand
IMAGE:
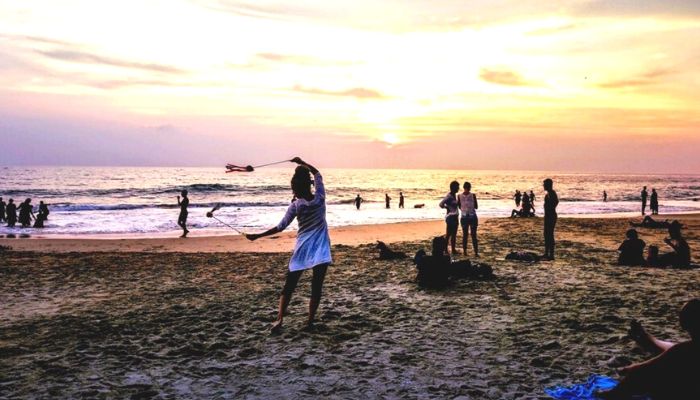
(118, 323)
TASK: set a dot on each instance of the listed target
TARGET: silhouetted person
(644, 195)
(387, 199)
(182, 218)
(11, 213)
(26, 213)
(358, 201)
(654, 202)
(44, 209)
(527, 210)
(551, 200)
(605, 196)
(434, 269)
(468, 206)
(673, 371)
(680, 256)
(313, 245)
(517, 198)
(449, 203)
(532, 200)
(3, 218)
(401, 200)
(631, 250)
(41, 216)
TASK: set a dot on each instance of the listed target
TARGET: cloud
(358, 92)
(300, 59)
(90, 58)
(682, 8)
(503, 77)
(646, 79)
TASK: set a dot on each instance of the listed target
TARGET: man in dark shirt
(644, 200)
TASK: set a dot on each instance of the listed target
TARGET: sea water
(120, 201)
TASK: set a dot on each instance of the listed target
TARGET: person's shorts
(471, 221)
(452, 222)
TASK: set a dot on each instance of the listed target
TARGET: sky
(574, 85)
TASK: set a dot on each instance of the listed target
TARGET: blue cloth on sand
(582, 391)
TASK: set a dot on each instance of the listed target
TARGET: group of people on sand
(632, 250)
(461, 210)
(12, 214)
(653, 201)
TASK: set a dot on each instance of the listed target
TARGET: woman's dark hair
(467, 185)
(675, 229)
(454, 187)
(632, 234)
(301, 182)
(439, 246)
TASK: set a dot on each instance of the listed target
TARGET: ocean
(119, 201)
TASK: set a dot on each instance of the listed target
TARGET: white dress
(313, 245)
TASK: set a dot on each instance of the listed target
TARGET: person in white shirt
(449, 203)
(468, 206)
(313, 246)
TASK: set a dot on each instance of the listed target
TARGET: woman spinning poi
(313, 245)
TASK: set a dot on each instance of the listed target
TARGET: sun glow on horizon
(359, 68)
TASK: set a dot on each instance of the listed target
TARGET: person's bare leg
(475, 241)
(284, 303)
(464, 240)
(319, 275)
(646, 340)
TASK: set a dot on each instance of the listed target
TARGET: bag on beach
(433, 271)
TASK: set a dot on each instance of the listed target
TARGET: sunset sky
(579, 85)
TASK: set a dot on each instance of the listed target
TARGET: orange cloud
(503, 77)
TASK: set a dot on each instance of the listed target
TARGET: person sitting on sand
(434, 269)
(680, 256)
(525, 211)
(11, 213)
(631, 250)
(313, 245)
(26, 213)
(673, 372)
(451, 206)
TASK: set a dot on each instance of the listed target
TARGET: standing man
(644, 200)
(2, 211)
(551, 200)
(517, 198)
(388, 200)
(400, 199)
(182, 219)
(532, 200)
(605, 196)
(358, 201)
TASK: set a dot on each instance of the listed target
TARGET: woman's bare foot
(276, 327)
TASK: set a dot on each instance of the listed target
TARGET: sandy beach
(172, 318)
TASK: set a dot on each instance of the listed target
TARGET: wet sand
(123, 323)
